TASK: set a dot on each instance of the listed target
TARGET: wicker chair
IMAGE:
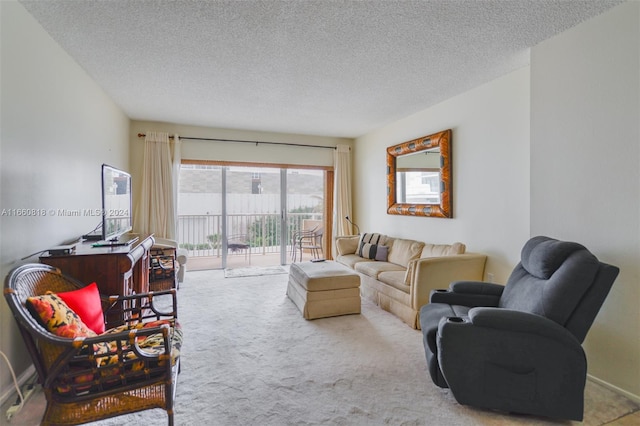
(163, 269)
(78, 383)
(180, 254)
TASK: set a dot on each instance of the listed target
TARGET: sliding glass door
(200, 214)
(305, 209)
(233, 216)
(252, 215)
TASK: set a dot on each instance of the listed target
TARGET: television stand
(122, 240)
(118, 270)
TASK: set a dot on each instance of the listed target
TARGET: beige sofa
(402, 283)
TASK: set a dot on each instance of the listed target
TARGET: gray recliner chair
(517, 348)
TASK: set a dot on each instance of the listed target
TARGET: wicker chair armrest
(124, 335)
(132, 337)
(135, 308)
(142, 295)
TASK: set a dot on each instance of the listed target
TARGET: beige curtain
(157, 210)
(176, 159)
(342, 191)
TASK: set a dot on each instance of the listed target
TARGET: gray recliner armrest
(476, 287)
(469, 293)
(520, 322)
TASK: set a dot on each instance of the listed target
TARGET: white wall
(490, 152)
(585, 179)
(57, 128)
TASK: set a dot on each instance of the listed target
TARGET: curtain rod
(142, 135)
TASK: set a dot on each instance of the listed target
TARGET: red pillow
(86, 303)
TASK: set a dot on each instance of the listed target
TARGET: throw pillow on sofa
(374, 251)
(369, 238)
(404, 251)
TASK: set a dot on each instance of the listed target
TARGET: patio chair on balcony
(310, 240)
(295, 240)
(239, 243)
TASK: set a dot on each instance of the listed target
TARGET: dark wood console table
(119, 270)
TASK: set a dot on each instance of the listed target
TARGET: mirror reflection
(418, 177)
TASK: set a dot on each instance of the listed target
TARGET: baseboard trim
(22, 379)
(635, 398)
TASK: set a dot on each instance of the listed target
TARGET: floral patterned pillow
(57, 317)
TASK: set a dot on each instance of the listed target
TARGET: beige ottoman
(324, 289)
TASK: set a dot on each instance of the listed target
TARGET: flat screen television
(117, 214)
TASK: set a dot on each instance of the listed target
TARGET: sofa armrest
(431, 273)
(181, 256)
(347, 244)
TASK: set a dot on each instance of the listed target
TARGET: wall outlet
(490, 277)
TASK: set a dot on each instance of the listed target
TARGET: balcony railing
(201, 235)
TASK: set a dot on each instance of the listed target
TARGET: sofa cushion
(395, 279)
(347, 244)
(351, 260)
(401, 251)
(373, 268)
(437, 250)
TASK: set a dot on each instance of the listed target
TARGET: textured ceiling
(331, 68)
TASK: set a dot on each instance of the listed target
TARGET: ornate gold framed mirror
(419, 176)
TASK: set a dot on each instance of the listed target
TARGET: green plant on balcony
(195, 246)
(215, 241)
(265, 232)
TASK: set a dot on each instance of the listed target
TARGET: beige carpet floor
(249, 358)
